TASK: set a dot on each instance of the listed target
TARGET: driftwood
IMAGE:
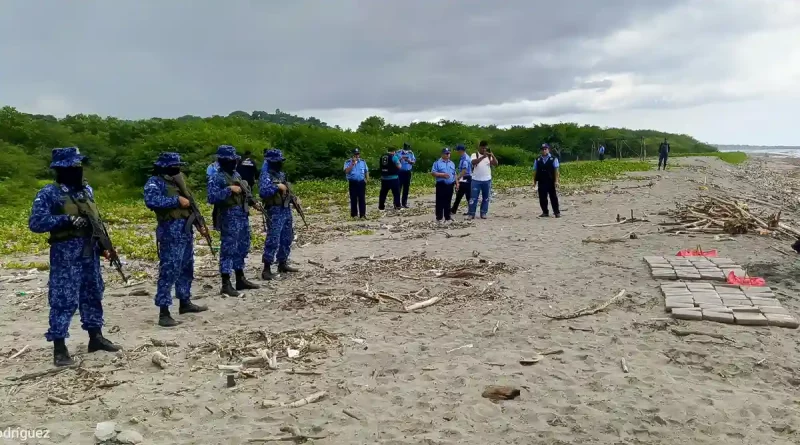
(587, 311)
(684, 333)
(624, 365)
(163, 343)
(295, 436)
(37, 374)
(61, 401)
(423, 304)
(718, 214)
(619, 221)
(316, 397)
(460, 274)
(20, 352)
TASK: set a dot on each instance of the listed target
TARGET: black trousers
(358, 198)
(405, 185)
(464, 191)
(546, 190)
(444, 195)
(662, 158)
(386, 185)
(602, 156)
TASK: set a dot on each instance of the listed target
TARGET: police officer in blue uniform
(546, 176)
(76, 281)
(444, 170)
(276, 193)
(464, 179)
(407, 161)
(232, 199)
(390, 167)
(357, 174)
(175, 237)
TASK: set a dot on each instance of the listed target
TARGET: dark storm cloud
(147, 58)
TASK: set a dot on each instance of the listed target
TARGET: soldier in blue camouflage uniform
(231, 198)
(274, 190)
(76, 281)
(175, 236)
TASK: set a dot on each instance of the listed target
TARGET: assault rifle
(248, 198)
(296, 204)
(100, 234)
(196, 217)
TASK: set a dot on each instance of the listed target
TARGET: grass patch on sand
(731, 157)
(132, 226)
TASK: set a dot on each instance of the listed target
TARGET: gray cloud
(146, 58)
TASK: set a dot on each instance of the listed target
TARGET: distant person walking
(482, 163)
(663, 154)
(357, 174)
(601, 152)
(390, 168)
(464, 179)
(407, 161)
(545, 175)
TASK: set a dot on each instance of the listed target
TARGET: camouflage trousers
(176, 261)
(234, 239)
(76, 283)
(280, 234)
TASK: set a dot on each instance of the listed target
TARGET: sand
(417, 378)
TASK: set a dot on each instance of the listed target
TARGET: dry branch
(423, 304)
(587, 311)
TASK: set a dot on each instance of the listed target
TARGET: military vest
(277, 199)
(546, 171)
(235, 199)
(73, 206)
(163, 215)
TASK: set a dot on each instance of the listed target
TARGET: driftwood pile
(716, 214)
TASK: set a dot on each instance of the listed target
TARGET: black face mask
(227, 165)
(70, 176)
(276, 166)
(166, 171)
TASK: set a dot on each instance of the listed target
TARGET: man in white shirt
(482, 163)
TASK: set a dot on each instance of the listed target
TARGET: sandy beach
(396, 377)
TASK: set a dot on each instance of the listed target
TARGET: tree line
(122, 151)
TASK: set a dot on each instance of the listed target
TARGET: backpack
(388, 168)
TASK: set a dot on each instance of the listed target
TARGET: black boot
(267, 274)
(242, 283)
(284, 267)
(99, 343)
(187, 307)
(60, 354)
(227, 287)
(165, 319)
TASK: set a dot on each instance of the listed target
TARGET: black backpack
(388, 168)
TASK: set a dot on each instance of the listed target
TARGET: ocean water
(788, 152)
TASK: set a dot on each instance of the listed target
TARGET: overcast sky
(724, 71)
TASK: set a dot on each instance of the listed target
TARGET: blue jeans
(484, 188)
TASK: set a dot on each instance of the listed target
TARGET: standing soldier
(663, 154)
(464, 180)
(231, 197)
(445, 173)
(407, 161)
(545, 173)
(174, 235)
(75, 277)
(390, 168)
(601, 152)
(357, 174)
(276, 193)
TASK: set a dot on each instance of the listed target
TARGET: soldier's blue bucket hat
(227, 152)
(169, 159)
(273, 155)
(67, 157)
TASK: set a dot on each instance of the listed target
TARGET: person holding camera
(482, 163)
